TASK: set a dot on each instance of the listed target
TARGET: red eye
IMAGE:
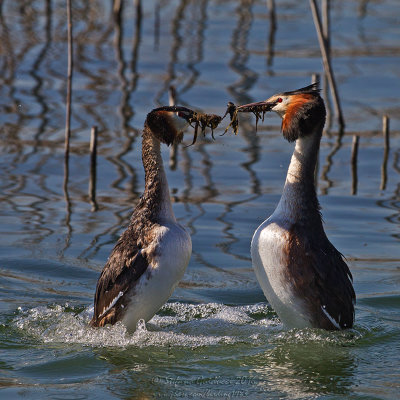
(279, 100)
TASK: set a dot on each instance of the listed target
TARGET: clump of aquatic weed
(204, 121)
(258, 110)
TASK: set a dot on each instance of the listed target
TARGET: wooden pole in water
(272, 30)
(315, 79)
(157, 24)
(116, 6)
(354, 154)
(93, 168)
(326, 24)
(68, 101)
(385, 131)
(326, 33)
(174, 147)
(327, 62)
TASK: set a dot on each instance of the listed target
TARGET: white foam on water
(312, 335)
(177, 324)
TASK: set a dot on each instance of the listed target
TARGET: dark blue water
(217, 337)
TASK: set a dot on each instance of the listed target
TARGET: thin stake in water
(68, 101)
(354, 154)
(327, 62)
(93, 168)
(174, 147)
(385, 131)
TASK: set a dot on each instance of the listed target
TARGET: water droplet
(141, 325)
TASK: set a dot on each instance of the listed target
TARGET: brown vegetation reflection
(111, 60)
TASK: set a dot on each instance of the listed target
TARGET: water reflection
(328, 165)
(36, 67)
(127, 87)
(393, 201)
(108, 60)
(240, 53)
(177, 42)
(300, 370)
(239, 90)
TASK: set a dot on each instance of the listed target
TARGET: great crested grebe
(303, 276)
(152, 254)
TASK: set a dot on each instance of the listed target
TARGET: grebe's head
(168, 123)
(302, 111)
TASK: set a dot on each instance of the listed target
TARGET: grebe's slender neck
(299, 199)
(156, 199)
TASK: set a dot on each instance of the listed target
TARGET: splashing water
(176, 324)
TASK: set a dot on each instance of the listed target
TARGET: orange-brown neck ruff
(293, 114)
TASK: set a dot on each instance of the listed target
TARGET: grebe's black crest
(310, 89)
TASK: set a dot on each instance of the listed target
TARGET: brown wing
(325, 282)
(122, 270)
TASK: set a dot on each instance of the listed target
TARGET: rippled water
(216, 337)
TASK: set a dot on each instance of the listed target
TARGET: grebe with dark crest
(302, 275)
(152, 254)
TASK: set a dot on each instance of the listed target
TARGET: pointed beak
(182, 112)
(261, 106)
(185, 113)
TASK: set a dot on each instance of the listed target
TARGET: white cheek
(179, 123)
(279, 109)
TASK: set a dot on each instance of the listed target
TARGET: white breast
(270, 260)
(173, 248)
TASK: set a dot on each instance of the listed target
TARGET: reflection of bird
(151, 256)
(303, 276)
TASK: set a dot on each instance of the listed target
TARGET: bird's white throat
(300, 168)
(304, 149)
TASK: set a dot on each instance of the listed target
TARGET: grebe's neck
(299, 199)
(156, 198)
